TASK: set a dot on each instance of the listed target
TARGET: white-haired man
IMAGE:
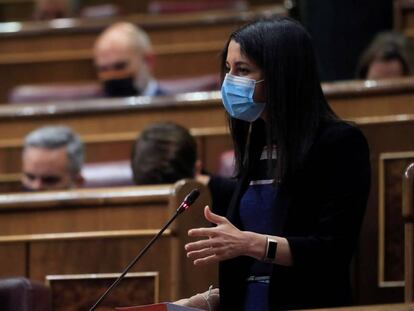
(52, 159)
(124, 60)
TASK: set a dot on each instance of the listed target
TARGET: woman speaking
(303, 176)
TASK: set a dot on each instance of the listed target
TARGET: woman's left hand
(224, 241)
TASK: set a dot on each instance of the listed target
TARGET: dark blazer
(320, 213)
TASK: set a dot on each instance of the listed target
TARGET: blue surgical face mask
(237, 95)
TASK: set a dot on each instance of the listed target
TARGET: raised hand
(223, 242)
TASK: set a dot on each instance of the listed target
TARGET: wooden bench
(379, 262)
(378, 273)
(100, 231)
(119, 116)
(186, 44)
(193, 110)
(22, 10)
(113, 124)
(358, 98)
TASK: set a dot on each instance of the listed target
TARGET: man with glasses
(52, 159)
(124, 60)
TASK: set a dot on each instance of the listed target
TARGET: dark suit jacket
(320, 213)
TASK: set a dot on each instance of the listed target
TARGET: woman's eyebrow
(238, 63)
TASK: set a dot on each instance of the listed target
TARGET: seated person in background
(52, 159)
(124, 60)
(389, 55)
(50, 9)
(164, 153)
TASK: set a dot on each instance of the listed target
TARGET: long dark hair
(295, 104)
(164, 153)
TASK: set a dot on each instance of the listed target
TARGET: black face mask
(120, 87)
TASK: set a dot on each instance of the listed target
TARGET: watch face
(271, 250)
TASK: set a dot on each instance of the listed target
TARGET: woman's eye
(243, 71)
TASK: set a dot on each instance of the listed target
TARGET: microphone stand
(184, 205)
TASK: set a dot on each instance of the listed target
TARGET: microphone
(188, 201)
(185, 204)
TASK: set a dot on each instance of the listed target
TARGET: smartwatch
(271, 249)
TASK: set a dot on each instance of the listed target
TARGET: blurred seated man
(50, 9)
(164, 153)
(389, 55)
(52, 159)
(124, 60)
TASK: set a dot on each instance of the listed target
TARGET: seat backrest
(33, 93)
(107, 174)
(100, 11)
(22, 294)
(210, 82)
(163, 6)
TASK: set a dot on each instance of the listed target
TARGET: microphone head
(192, 196)
(188, 200)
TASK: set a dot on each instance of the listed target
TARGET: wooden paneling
(408, 213)
(17, 266)
(404, 17)
(80, 291)
(392, 134)
(101, 231)
(391, 225)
